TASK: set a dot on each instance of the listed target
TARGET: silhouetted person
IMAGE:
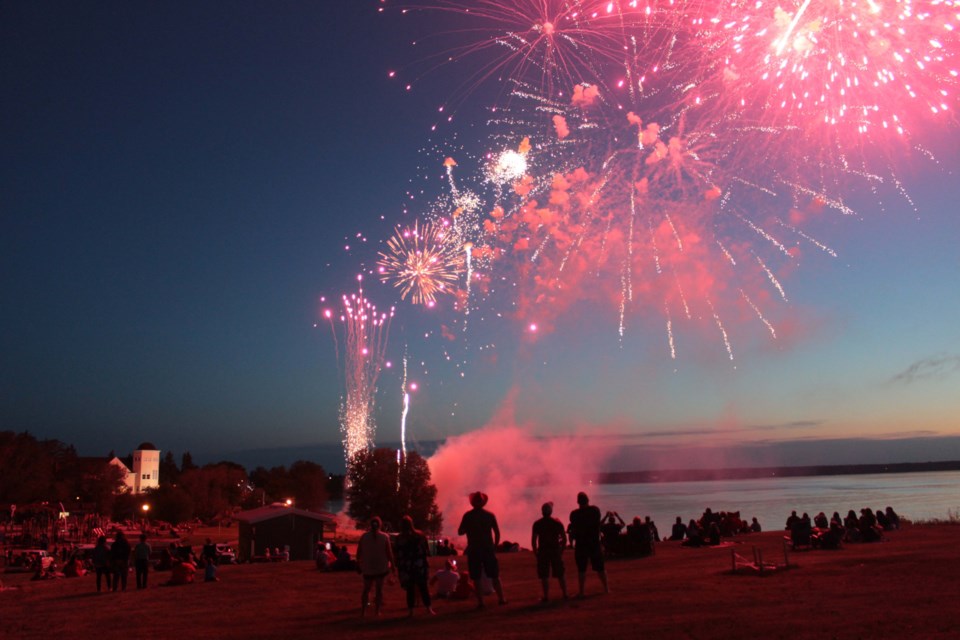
(412, 565)
(892, 518)
(694, 535)
(483, 535)
(584, 531)
(120, 560)
(713, 534)
(755, 525)
(210, 551)
(610, 530)
(791, 521)
(679, 530)
(654, 534)
(375, 559)
(141, 561)
(100, 556)
(548, 542)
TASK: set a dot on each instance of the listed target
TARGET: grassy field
(905, 587)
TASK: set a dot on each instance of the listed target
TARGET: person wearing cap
(483, 535)
(548, 542)
(584, 531)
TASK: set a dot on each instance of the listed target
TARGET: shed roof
(271, 511)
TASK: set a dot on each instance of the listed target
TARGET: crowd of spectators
(824, 533)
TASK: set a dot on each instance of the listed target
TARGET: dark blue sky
(177, 181)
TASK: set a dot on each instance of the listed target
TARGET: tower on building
(146, 468)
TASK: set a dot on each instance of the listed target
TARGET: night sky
(178, 185)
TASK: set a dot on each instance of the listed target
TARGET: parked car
(225, 555)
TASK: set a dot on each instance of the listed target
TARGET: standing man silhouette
(584, 531)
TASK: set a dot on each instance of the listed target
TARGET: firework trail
(361, 351)
(406, 408)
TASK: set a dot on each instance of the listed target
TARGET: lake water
(917, 496)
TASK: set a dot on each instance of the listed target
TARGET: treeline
(49, 471)
(746, 473)
(37, 472)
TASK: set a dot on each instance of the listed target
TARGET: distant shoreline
(747, 473)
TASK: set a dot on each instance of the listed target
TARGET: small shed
(278, 526)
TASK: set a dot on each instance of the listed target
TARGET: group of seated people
(634, 539)
(330, 557)
(183, 563)
(829, 534)
(711, 527)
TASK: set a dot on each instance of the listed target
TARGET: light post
(146, 511)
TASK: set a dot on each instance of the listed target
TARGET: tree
(100, 484)
(215, 488)
(169, 473)
(171, 503)
(35, 471)
(380, 485)
(305, 483)
(186, 462)
(309, 482)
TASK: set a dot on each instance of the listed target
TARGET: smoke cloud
(519, 471)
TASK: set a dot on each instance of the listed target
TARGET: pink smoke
(584, 95)
(560, 125)
(518, 471)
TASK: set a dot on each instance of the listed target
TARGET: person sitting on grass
(870, 531)
(446, 580)
(831, 538)
(181, 573)
(74, 568)
(851, 525)
(755, 526)
(713, 534)
(694, 536)
(679, 530)
(801, 532)
(464, 590)
(343, 561)
(892, 518)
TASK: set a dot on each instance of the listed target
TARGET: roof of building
(146, 446)
(271, 511)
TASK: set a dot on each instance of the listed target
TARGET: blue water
(918, 496)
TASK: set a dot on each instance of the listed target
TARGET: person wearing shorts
(483, 535)
(375, 561)
(548, 542)
(584, 531)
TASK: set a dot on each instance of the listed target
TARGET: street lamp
(146, 511)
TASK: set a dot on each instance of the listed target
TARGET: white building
(146, 468)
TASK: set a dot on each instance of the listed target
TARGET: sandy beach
(904, 587)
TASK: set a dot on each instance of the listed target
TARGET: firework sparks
(422, 262)
(721, 127)
(361, 353)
